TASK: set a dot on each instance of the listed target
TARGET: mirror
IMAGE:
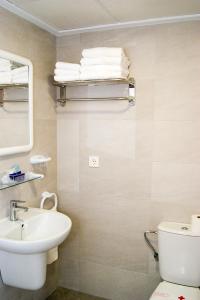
(16, 104)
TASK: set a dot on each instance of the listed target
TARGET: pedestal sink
(24, 245)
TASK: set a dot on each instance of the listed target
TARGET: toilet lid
(171, 291)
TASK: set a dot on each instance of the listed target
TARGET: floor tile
(65, 294)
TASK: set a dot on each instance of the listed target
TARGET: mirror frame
(29, 146)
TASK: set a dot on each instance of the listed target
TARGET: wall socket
(93, 161)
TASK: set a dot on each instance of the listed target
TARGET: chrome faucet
(14, 207)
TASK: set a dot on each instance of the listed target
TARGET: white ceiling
(71, 16)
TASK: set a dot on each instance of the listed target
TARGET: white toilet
(179, 263)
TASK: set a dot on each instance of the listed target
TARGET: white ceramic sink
(24, 245)
(39, 231)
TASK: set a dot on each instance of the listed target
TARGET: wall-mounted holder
(63, 98)
(39, 159)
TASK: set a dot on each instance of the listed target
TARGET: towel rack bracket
(1, 97)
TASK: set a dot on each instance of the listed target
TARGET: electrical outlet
(93, 161)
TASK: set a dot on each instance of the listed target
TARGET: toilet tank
(179, 254)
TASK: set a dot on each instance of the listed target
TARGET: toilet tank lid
(171, 291)
(176, 228)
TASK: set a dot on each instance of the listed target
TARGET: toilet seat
(171, 291)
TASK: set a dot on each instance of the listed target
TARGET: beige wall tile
(68, 275)
(97, 279)
(162, 211)
(149, 156)
(24, 39)
(145, 91)
(176, 141)
(114, 283)
(176, 48)
(133, 181)
(176, 99)
(68, 155)
(110, 138)
(130, 252)
(175, 183)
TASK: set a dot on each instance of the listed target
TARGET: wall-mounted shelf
(39, 159)
(29, 176)
(97, 82)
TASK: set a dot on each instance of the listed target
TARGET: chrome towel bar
(62, 101)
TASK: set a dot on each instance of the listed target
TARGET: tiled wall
(149, 159)
(22, 38)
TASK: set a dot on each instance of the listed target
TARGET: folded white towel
(5, 81)
(20, 76)
(24, 76)
(66, 78)
(103, 68)
(3, 74)
(103, 51)
(105, 60)
(103, 75)
(20, 70)
(63, 72)
(67, 66)
(4, 62)
(5, 78)
(5, 68)
(20, 80)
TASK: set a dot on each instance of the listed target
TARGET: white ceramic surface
(170, 291)
(179, 255)
(24, 245)
(52, 254)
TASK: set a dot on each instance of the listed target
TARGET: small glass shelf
(29, 176)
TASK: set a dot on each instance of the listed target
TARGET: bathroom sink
(24, 245)
(38, 230)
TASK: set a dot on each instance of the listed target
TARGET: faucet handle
(13, 202)
(20, 201)
(14, 207)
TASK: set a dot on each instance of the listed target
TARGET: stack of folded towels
(66, 71)
(104, 63)
(20, 75)
(5, 71)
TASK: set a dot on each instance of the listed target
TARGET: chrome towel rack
(63, 98)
